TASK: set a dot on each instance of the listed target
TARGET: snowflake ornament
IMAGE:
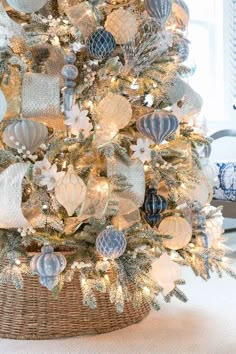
(46, 175)
(142, 150)
(78, 122)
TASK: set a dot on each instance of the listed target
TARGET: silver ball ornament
(70, 72)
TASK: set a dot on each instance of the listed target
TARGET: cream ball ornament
(165, 272)
(123, 25)
(114, 111)
(179, 229)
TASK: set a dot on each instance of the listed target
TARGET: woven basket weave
(32, 313)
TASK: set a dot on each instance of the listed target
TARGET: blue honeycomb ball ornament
(101, 43)
(111, 243)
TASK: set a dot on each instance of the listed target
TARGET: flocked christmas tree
(101, 151)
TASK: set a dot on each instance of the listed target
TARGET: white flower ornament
(78, 121)
(141, 150)
(46, 175)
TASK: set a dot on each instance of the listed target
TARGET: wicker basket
(32, 313)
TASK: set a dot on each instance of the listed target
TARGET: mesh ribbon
(40, 99)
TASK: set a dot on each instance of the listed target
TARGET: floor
(205, 325)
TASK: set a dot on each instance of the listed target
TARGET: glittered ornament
(11, 178)
(114, 111)
(154, 204)
(159, 9)
(70, 191)
(48, 266)
(122, 24)
(25, 136)
(166, 272)
(179, 229)
(158, 126)
(101, 44)
(111, 243)
(27, 6)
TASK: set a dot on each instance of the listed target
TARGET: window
(206, 36)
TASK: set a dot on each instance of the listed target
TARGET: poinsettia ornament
(78, 121)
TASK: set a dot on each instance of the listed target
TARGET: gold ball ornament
(123, 25)
(179, 229)
(114, 111)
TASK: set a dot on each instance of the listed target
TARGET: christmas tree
(101, 152)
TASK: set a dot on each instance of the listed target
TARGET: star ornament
(142, 150)
(166, 272)
(78, 122)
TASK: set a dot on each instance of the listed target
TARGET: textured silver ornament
(133, 197)
(27, 6)
(48, 266)
(11, 178)
(111, 243)
(158, 126)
